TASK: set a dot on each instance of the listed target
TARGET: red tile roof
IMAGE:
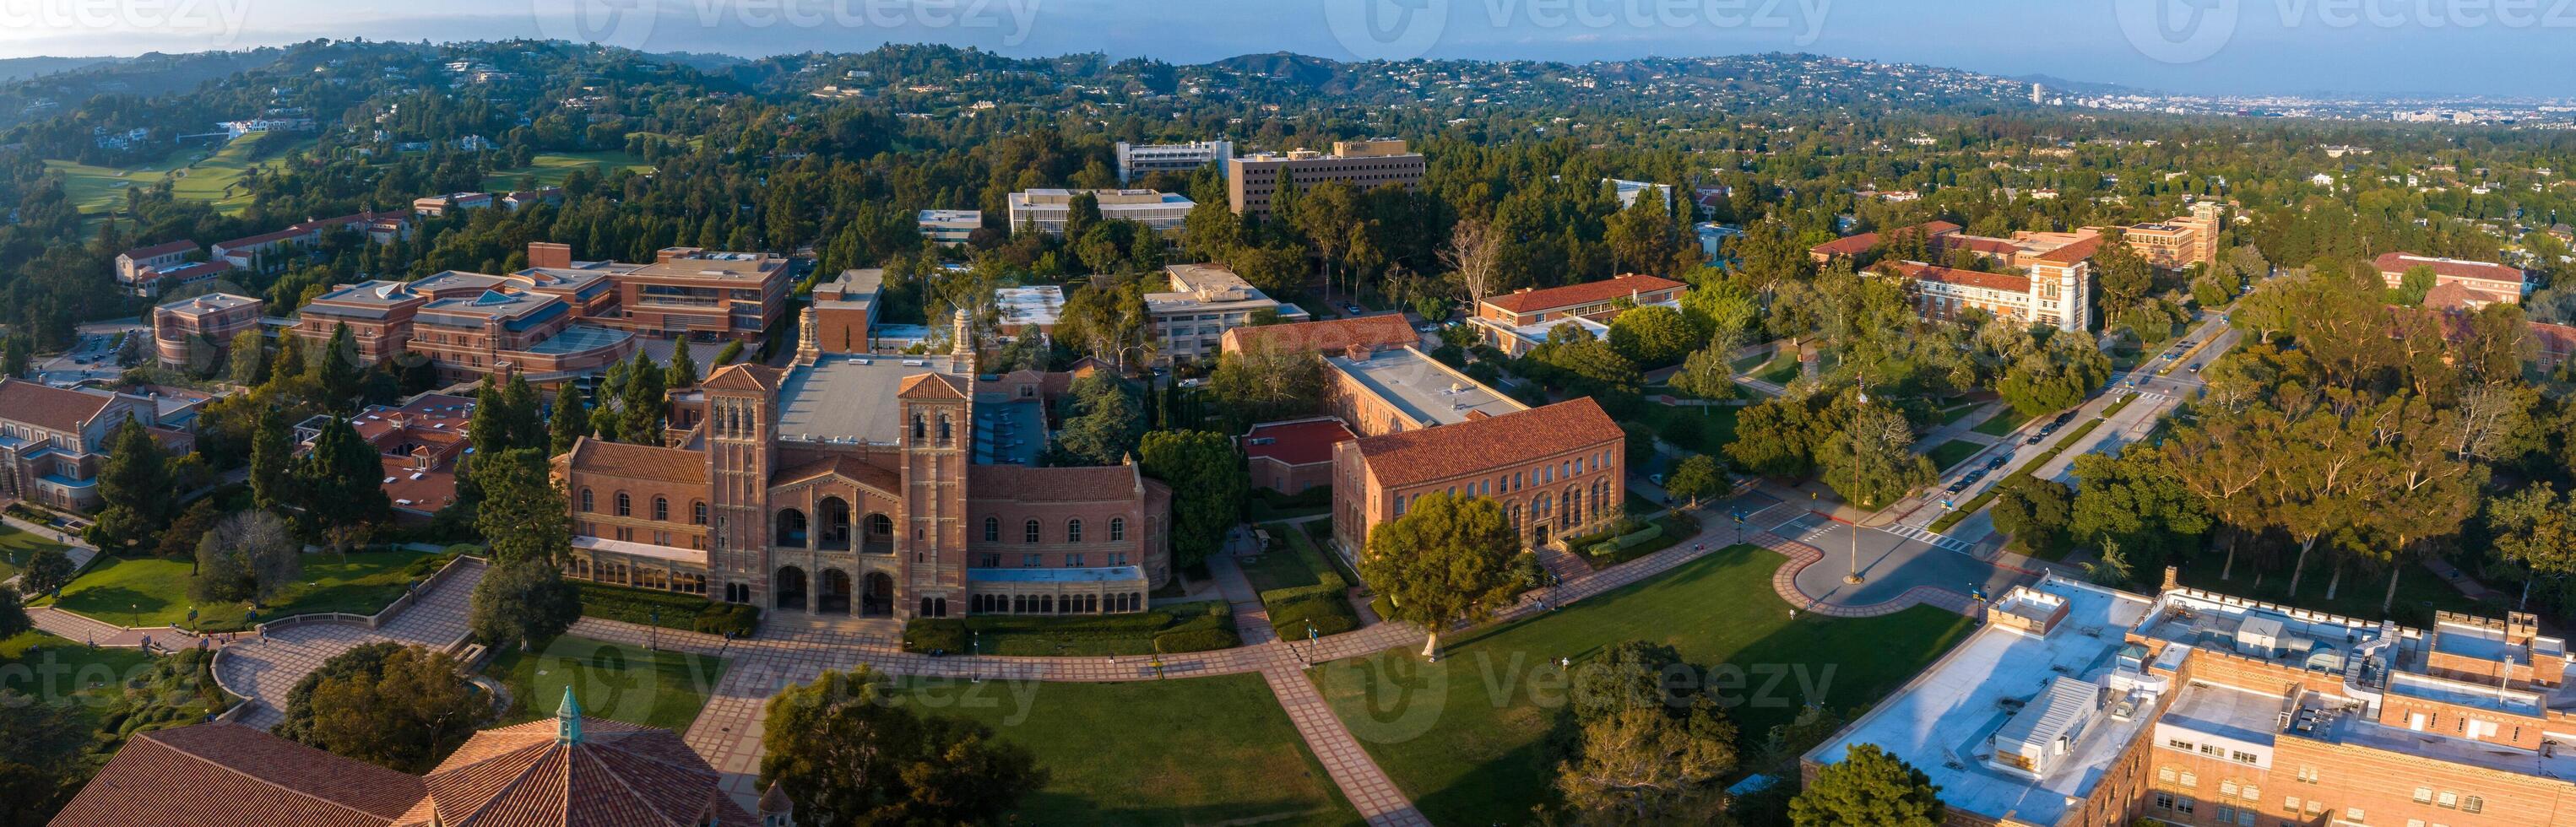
(2008, 282)
(61, 409)
(2451, 268)
(1303, 442)
(2072, 253)
(223, 775)
(1019, 483)
(1853, 245)
(744, 376)
(617, 459)
(271, 237)
(848, 467)
(161, 249)
(613, 773)
(1576, 295)
(932, 386)
(1431, 454)
(1328, 336)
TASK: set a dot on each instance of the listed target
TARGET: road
(2160, 384)
(93, 357)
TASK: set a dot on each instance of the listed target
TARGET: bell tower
(938, 442)
(741, 451)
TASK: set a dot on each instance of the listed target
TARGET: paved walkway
(264, 669)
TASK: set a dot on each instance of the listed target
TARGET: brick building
(1556, 470)
(2081, 705)
(475, 325)
(53, 440)
(197, 333)
(873, 486)
(1329, 336)
(845, 313)
(137, 268)
(692, 293)
(2484, 283)
(1293, 456)
(1517, 321)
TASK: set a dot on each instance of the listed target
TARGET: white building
(1205, 301)
(1026, 307)
(1135, 161)
(949, 226)
(1047, 209)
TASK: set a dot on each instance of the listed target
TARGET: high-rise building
(1253, 180)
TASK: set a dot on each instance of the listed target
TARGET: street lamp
(1862, 386)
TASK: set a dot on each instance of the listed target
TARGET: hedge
(1331, 615)
(1629, 540)
(669, 610)
(1190, 627)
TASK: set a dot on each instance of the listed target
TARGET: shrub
(1197, 640)
(736, 619)
(928, 634)
(1330, 613)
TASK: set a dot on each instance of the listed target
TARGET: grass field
(17, 546)
(1468, 737)
(1952, 415)
(1701, 429)
(1952, 453)
(2002, 423)
(621, 683)
(551, 168)
(1781, 370)
(199, 176)
(131, 591)
(64, 671)
(1215, 750)
(1296, 563)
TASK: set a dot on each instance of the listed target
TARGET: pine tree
(272, 459)
(347, 476)
(683, 373)
(527, 428)
(642, 406)
(571, 420)
(338, 372)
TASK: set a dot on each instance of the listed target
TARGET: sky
(2399, 47)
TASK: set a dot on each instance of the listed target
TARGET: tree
(1869, 786)
(2534, 529)
(683, 372)
(1877, 441)
(845, 753)
(1269, 381)
(45, 741)
(1653, 335)
(1640, 765)
(406, 713)
(524, 604)
(47, 570)
(17, 353)
(2056, 378)
(135, 479)
(248, 556)
(1474, 258)
(351, 474)
(180, 541)
(272, 460)
(641, 407)
(1708, 373)
(1208, 487)
(2034, 511)
(2123, 276)
(570, 421)
(1777, 438)
(1695, 479)
(338, 370)
(1104, 422)
(248, 359)
(1445, 561)
(13, 615)
(524, 513)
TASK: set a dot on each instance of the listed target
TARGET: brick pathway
(263, 669)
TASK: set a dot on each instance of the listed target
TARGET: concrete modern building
(196, 334)
(868, 485)
(1206, 300)
(2484, 282)
(2081, 705)
(1253, 180)
(1139, 160)
(1046, 210)
(949, 226)
(1028, 307)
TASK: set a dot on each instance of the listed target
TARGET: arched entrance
(789, 586)
(878, 600)
(791, 528)
(835, 596)
(880, 536)
(833, 516)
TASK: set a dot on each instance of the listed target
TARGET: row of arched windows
(623, 505)
(1034, 532)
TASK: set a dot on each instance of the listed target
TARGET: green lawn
(199, 176)
(1781, 370)
(1468, 737)
(16, 547)
(1954, 414)
(1699, 429)
(1952, 453)
(132, 591)
(65, 671)
(614, 681)
(551, 168)
(1295, 563)
(2002, 423)
(1214, 750)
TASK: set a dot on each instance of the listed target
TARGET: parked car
(1353, 309)
(1997, 464)
(2034, 438)
(2195, 367)
(1975, 474)
(1961, 485)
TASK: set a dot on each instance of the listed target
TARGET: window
(2179, 744)
(1073, 531)
(2473, 804)
(2189, 780)
(662, 508)
(992, 529)
(625, 506)
(1117, 529)
(2448, 800)
(2243, 757)
(2164, 801)
(1073, 561)
(1029, 532)
(2423, 795)
(698, 512)
(1030, 561)
(585, 500)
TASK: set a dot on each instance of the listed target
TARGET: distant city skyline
(2442, 48)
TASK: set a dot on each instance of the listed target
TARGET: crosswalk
(1939, 541)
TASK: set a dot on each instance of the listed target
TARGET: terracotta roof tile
(1302, 442)
(614, 774)
(2450, 267)
(1018, 483)
(851, 468)
(1328, 336)
(222, 775)
(61, 409)
(617, 459)
(161, 249)
(1429, 454)
(744, 376)
(931, 386)
(1575, 295)
(2008, 282)
(2072, 253)
(1853, 245)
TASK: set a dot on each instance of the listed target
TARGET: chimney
(1356, 352)
(549, 254)
(2173, 578)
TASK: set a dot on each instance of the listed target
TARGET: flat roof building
(1326, 336)
(949, 226)
(1251, 181)
(1139, 160)
(843, 315)
(196, 334)
(1206, 300)
(1026, 307)
(1046, 210)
